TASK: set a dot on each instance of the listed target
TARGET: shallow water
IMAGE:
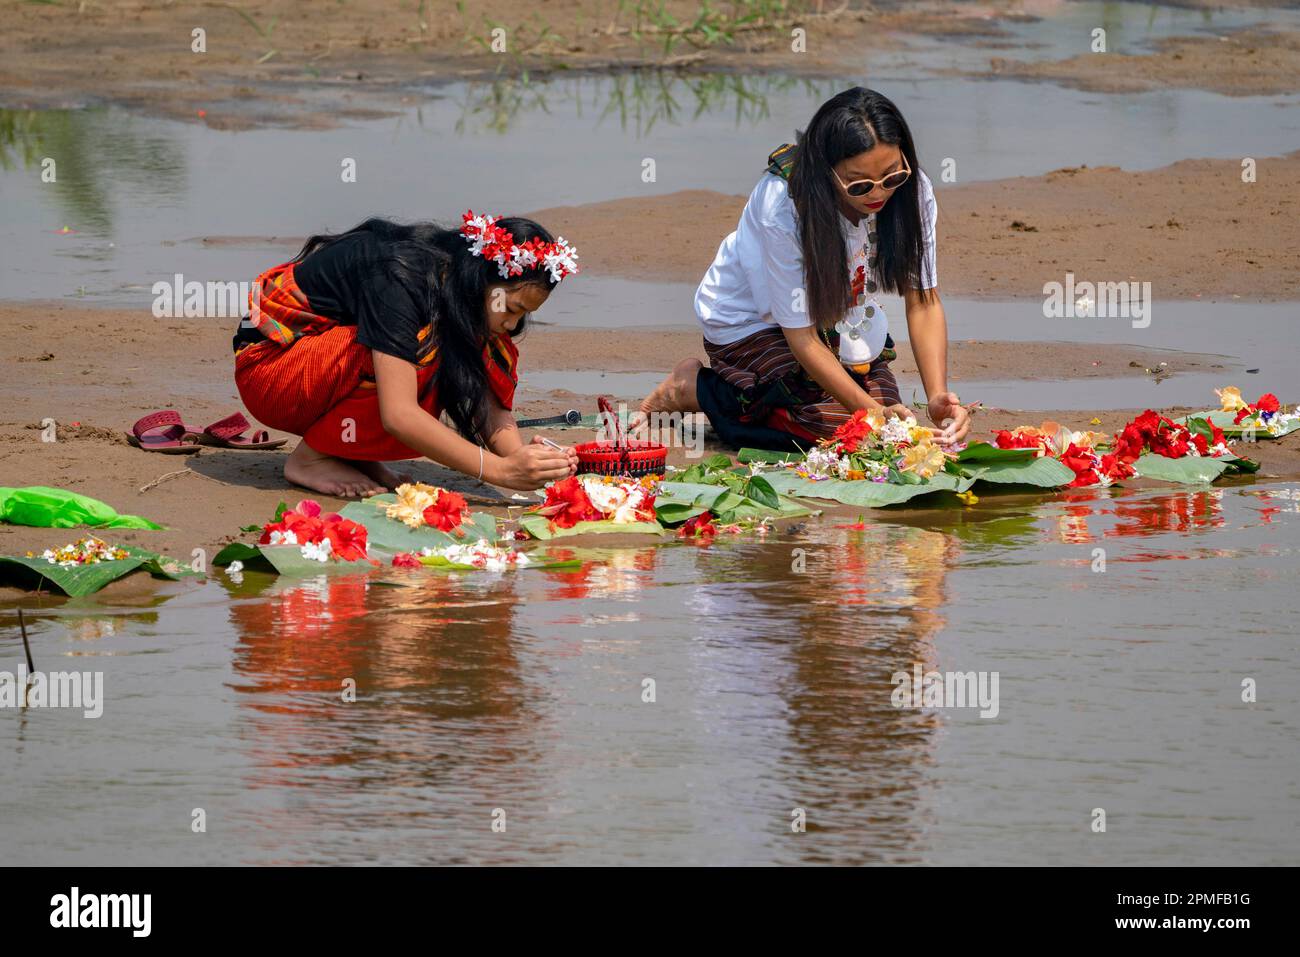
(1118, 689)
(139, 193)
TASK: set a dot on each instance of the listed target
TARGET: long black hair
(847, 124)
(435, 267)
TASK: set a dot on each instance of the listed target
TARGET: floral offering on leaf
(419, 505)
(1264, 413)
(481, 554)
(869, 446)
(84, 551)
(701, 526)
(319, 537)
(596, 498)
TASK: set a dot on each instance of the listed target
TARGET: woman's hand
(898, 411)
(951, 416)
(568, 450)
(530, 467)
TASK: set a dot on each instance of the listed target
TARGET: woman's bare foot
(381, 473)
(324, 473)
(675, 394)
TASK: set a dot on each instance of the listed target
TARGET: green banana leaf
(1044, 472)
(1224, 421)
(679, 501)
(863, 493)
(438, 561)
(1190, 470)
(41, 506)
(984, 452)
(539, 527)
(389, 535)
(82, 580)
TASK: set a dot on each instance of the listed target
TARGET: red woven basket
(636, 459)
(625, 457)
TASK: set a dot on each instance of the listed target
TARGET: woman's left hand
(951, 416)
(568, 450)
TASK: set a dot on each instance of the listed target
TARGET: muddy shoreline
(270, 66)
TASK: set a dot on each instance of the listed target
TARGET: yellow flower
(875, 419)
(412, 499)
(969, 498)
(919, 435)
(925, 459)
(1230, 398)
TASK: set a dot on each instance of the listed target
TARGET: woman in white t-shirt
(795, 336)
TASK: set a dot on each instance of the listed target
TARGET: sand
(1243, 63)
(1192, 229)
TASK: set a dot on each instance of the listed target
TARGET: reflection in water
(639, 99)
(771, 673)
(452, 693)
(95, 152)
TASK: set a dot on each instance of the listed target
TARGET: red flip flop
(164, 432)
(229, 434)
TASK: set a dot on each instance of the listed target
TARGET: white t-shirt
(754, 278)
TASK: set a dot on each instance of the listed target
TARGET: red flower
(347, 538)
(1082, 464)
(447, 511)
(567, 504)
(701, 526)
(1268, 403)
(1116, 468)
(852, 433)
(1017, 440)
(406, 560)
(309, 507)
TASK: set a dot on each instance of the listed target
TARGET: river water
(523, 695)
(1120, 624)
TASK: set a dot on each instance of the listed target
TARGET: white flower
(481, 554)
(318, 552)
(283, 538)
(897, 430)
(606, 498)
(625, 514)
(234, 568)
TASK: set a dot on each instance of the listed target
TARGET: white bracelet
(480, 463)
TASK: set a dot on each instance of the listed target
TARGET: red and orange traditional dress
(308, 370)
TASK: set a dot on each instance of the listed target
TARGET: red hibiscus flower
(1268, 403)
(1016, 440)
(852, 433)
(348, 538)
(1116, 468)
(309, 507)
(701, 526)
(1081, 463)
(447, 511)
(567, 504)
(406, 560)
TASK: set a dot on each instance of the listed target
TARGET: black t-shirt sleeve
(351, 281)
(388, 318)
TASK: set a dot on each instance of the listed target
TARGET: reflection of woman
(845, 213)
(799, 668)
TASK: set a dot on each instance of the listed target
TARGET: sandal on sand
(164, 432)
(229, 434)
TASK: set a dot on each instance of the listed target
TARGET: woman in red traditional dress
(367, 337)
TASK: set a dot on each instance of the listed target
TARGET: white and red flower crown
(492, 242)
